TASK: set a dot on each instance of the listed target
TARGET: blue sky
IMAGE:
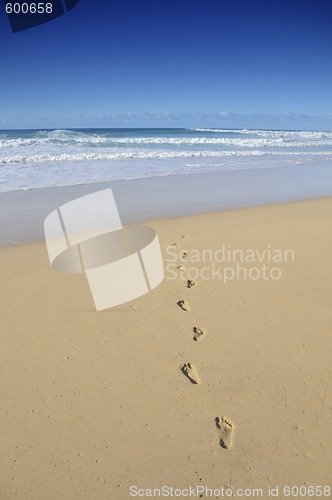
(167, 63)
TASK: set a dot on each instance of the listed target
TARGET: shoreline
(191, 216)
(22, 213)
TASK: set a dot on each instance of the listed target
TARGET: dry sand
(92, 403)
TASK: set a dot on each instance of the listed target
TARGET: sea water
(31, 159)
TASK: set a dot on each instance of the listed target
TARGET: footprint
(180, 267)
(175, 244)
(189, 371)
(190, 283)
(183, 305)
(198, 333)
(184, 255)
(226, 429)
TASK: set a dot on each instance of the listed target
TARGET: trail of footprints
(224, 425)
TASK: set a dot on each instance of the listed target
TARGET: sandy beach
(230, 388)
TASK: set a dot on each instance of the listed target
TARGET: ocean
(31, 159)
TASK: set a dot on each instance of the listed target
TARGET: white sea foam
(271, 141)
(60, 157)
(300, 134)
(146, 156)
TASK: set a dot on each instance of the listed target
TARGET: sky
(166, 63)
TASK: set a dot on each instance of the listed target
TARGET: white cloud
(226, 119)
